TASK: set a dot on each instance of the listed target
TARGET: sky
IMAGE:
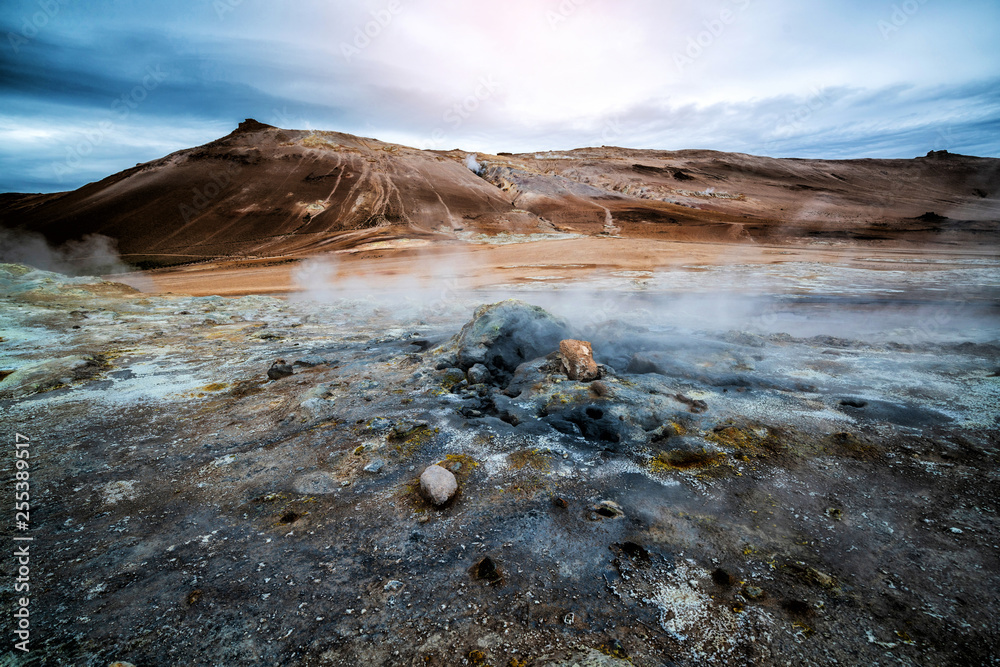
(90, 88)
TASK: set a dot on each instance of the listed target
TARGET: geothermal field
(369, 405)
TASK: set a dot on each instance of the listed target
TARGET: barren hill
(265, 192)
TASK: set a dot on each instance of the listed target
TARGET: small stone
(279, 369)
(478, 374)
(578, 360)
(374, 466)
(753, 592)
(393, 585)
(957, 531)
(438, 485)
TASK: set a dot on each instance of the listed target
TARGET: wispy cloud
(96, 89)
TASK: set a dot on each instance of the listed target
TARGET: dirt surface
(524, 261)
(783, 462)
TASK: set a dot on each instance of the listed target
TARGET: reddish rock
(578, 360)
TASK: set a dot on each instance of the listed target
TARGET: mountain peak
(251, 125)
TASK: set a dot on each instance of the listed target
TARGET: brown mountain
(266, 192)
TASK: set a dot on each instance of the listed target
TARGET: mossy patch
(749, 440)
(408, 442)
(460, 465)
(685, 460)
(452, 378)
(534, 459)
(614, 648)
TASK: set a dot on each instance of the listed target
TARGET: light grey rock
(438, 485)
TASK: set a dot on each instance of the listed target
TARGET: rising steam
(93, 254)
(473, 164)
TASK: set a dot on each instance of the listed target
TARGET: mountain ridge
(266, 192)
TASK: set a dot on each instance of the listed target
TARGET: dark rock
(453, 378)
(593, 422)
(279, 369)
(445, 363)
(504, 335)
(635, 551)
(531, 374)
(478, 374)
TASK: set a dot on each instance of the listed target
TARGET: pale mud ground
(790, 460)
(513, 259)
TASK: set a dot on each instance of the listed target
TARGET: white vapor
(94, 254)
(473, 164)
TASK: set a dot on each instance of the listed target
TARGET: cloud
(773, 77)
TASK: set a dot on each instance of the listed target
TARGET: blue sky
(88, 89)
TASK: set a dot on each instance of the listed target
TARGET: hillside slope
(265, 192)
